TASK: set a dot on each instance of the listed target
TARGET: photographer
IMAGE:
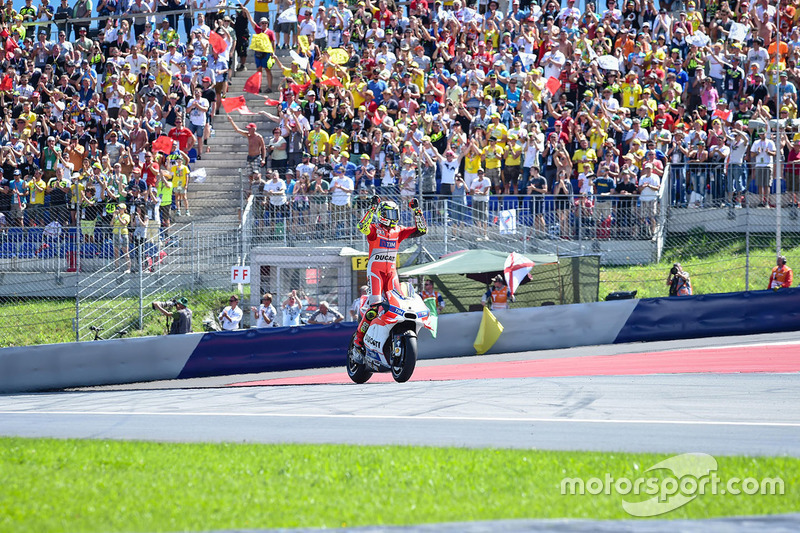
(181, 315)
(679, 282)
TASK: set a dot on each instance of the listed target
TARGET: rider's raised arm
(420, 226)
(365, 224)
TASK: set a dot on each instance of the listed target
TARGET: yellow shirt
(630, 95)
(492, 156)
(342, 140)
(596, 138)
(317, 141)
(180, 176)
(586, 159)
(472, 163)
(120, 224)
(513, 155)
(499, 131)
(358, 100)
(37, 189)
(129, 82)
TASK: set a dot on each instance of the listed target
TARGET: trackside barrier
(119, 361)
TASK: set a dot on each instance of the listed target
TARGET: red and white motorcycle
(391, 341)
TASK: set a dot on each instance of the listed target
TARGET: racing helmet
(388, 214)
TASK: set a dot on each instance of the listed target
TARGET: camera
(167, 304)
(674, 271)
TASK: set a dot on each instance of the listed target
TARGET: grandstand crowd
(581, 108)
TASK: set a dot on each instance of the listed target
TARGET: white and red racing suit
(382, 266)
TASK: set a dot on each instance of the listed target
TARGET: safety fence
(713, 184)
(66, 283)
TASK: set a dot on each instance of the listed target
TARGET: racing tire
(408, 360)
(358, 372)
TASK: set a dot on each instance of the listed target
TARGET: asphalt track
(735, 395)
(722, 396)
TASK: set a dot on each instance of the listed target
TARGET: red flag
(253, 83)
(319, 68)
(163, 144)
(332, 82)
(297, 89)
(233, 103)
(244, 110)
(553, 85)
(217, 43)
(270, 101)
(7, 84)
(11, 45)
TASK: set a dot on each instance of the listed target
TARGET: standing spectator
(256, 149)
(649, 185)
(481, 189)
(231, 315)
(198, 117)
(341, 190)
(291, 310)
(120, 222)
(265, 313)
(275, 189)
(325, 315)
(359, 304)
(762, 151)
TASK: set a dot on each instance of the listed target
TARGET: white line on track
(411, 417)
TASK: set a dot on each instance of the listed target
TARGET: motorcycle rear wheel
(408, 361)
(358, 372)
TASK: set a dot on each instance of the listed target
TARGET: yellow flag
(261, 43)
(302, 40)
(338, 55)
(488, 333)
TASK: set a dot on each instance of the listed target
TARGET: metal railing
(717, 184)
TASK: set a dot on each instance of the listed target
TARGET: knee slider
(371, 314)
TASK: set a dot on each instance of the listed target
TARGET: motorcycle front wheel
(358, 372)
(401, 372)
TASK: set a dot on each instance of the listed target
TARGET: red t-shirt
(151, 174)
(182, 135)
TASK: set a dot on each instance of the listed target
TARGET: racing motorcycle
(390, 343)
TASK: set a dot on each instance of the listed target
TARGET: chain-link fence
(67, 283)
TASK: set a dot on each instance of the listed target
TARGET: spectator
(325, 315)
(231, 315)
(291, 309)
(359, 304)
(265, 313)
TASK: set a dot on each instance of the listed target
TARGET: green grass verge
(76, 485)
(716, 263)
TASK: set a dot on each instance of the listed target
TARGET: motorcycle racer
(384, 236)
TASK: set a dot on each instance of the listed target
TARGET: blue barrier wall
(269, 350)
(713, 315)
(276, 349)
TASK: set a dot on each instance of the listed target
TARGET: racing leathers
(382, 270)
